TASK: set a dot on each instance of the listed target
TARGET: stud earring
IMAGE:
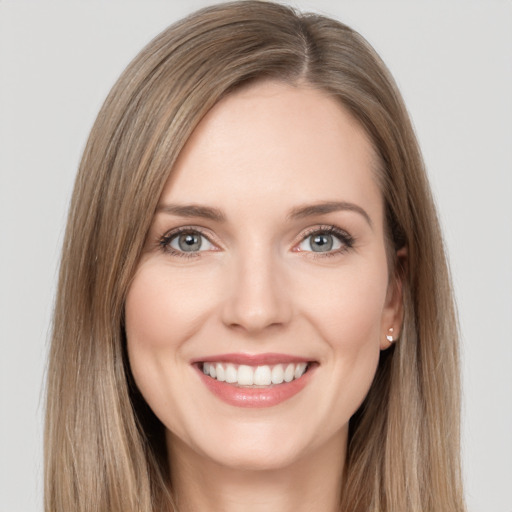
(389, 336)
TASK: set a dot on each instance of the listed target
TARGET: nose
(258, 298)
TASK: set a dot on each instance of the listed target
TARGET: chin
(256, 458)
(245, 447)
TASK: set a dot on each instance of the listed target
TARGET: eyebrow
(328, 207)
(300, 212)
(192, 210)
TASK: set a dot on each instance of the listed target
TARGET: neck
(312, 482)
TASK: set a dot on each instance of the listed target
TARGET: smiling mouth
(241, 375)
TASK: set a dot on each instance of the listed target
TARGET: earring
(389, 336)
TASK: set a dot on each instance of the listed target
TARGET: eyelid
(346, 239)
(165, 240)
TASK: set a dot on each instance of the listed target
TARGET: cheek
(161, 314)
(347, 305)
(347, 312)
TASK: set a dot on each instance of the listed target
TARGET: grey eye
(320, 242)
(190, 242)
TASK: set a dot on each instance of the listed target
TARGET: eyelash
(165, 241)
(345, 238)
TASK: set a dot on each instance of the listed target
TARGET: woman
(254, 310)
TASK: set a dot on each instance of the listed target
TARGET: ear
(393, 314)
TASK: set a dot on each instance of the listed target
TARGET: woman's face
(265, 264)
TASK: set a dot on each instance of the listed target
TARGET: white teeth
(289, 373)
(263, 376)
(299, 370)
(221, 375)
(231, 374)
(245, 375)
(277, 374)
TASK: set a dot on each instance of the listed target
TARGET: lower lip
(256, 397)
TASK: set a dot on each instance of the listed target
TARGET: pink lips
(240, 396)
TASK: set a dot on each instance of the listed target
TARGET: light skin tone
(288, 256)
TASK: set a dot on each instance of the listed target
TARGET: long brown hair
(104, 449)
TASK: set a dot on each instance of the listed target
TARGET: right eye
(186, 241)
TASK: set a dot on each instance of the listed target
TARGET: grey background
(453, 62)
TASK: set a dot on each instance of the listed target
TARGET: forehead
(276, 142)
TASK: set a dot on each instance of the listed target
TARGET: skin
(258, 287)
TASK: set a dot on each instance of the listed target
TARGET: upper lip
(252, 359)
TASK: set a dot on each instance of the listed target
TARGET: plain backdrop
(453, 63)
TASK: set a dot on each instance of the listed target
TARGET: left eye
(321, 242)
(190, 242)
